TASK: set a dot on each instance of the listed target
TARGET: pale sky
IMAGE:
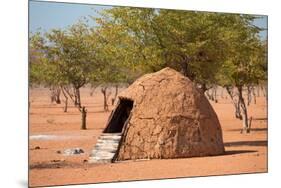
(51, 15)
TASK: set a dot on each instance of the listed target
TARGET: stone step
(109, 137)
(103, 154)
(100, 145)
(110, 150)
(108, 141)
(100, 160)
(97, 157)
(105, 148)
(108, 134)
(111, 134)
(105, 142)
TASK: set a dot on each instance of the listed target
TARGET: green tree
(69, 59)
(200, 45)
(195, 43)
(118, 57)
(245, 64)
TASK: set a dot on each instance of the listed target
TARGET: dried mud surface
(244, 153)
(170, 119)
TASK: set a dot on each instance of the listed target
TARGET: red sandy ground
(245, 153)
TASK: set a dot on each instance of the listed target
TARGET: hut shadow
(246, 143)
(236, 152)
(261, 118)
(55, 164)
(252, 129)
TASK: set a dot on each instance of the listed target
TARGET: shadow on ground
(246, 143)
(252, 129)
(54, 164)
(234, 152)
(261, 118)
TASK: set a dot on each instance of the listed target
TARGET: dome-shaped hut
(163, 115)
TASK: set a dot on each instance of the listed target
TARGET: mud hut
(163, 115)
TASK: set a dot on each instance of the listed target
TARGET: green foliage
(199, 44)
(67, 56)
(73, 54)
(209, 48)
(246, 59)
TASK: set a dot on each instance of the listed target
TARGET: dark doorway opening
(119, 116)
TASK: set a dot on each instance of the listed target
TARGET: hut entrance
(119, 116)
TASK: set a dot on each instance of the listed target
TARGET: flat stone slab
(73, 151)
(92, 160)
(110, 137)
(105, 148)
(43, 137)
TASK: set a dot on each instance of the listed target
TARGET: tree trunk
(215, 94)
(235, 103)
(115, 95)
(65, 104)
(84, 116)
(77, 100)
(184, 68)
(75, 97)
(93, 89)
(249, 95)
(58, 101)
(66, 99)
(78, 97)
(254, 94)
(105, 105)
(55, 94)
(243, 106)
(263, 90)
(238, 114)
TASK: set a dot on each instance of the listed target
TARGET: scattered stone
(58, 152)
(55, 160)
(85, 161)
(42, 137)
(50, 121)
(73, 151)
(37, 147)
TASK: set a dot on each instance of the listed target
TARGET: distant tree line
(211, 49)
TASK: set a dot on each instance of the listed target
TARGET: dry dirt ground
(245, 153)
